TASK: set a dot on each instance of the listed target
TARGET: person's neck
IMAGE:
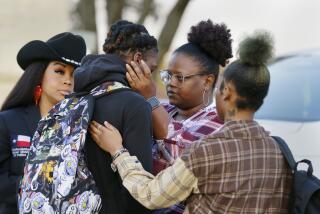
(44, 107)
(233, 114)
(186, 113)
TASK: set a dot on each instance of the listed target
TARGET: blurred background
(294, 23)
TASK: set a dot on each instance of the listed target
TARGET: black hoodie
(127, 111)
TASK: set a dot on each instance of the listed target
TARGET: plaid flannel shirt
(238, 169)
(199, 125)
(182, 133)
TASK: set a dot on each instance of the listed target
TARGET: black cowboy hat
(65, 47)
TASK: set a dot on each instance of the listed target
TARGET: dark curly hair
(127, 36)
(209, 44)
(249, 74)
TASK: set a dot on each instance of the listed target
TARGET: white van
(291, 109)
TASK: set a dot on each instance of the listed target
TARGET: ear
(137, 57)
(209, 81)
(226, 92)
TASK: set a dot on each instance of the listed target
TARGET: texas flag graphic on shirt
(23, 141)
(20, 145)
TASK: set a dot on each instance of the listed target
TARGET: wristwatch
(154, 102)
(115, 156)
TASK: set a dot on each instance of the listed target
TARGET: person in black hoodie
(124, 109)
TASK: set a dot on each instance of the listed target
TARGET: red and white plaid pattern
(182, 133)
(201, 124)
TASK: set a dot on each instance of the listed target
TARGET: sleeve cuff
(125, 163)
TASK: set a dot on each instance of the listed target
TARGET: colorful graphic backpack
(56, 178)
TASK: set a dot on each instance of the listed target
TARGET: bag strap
(101, 90)
(286, 152)
(93, 98)
(111, 92)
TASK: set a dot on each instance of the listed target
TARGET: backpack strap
(108, 88)
(77, 94)
(111, 92)
(93, 98)
(101, 90)
(286, 152)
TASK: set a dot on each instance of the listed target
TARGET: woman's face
(188, 93)
(57, 82)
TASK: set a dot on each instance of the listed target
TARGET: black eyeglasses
(166, 76)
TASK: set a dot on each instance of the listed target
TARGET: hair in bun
(256, 49)
(249, 74)
(209, 45)
(214, 39)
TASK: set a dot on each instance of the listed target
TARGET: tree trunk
(86, 11)
(101, 22)
(170, 27)
(83, 22)
(145, 10)
(114, 10)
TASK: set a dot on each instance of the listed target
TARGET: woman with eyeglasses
(190, 80)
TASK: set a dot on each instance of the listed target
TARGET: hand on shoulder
(106, 136)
